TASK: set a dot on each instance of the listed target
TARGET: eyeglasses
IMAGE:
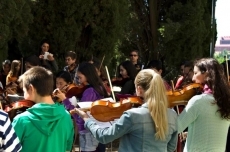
(132, 55)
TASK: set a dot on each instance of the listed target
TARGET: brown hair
(13, 70)
(71, 54)
(217, 82)
(40, 78)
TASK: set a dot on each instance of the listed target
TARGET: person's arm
(18, 127)
(66, 101)
(54, 65)
(89, 95)
(172, 142)
(68, 104)
(189, 114)
(11, 141)
(117, 130)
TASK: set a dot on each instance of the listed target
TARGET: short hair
(40, 78)
(64, 75)
(71, 54)
(134, 50)
(157, 64)
(33, 60)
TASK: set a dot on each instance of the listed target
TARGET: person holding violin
(186, 78)
(156, 132)
(128, 73)
(207, 115)
(63, 79)
(46, 124)
(71, 66)
(102, 74)
(226, 66)
(12, 77)
(95, 90)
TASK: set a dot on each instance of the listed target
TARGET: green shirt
(44, 128)
(207, 131)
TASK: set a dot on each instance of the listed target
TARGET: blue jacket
(136, 131)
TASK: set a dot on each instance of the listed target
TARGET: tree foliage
(15, 17)
(170, 30)
(86, 27)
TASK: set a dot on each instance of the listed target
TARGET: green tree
(15, 17)
(86, 27)
(187, 31)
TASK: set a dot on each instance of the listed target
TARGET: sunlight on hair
(155, 96)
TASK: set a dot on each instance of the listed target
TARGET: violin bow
(110, 83)
(226, 60)
(101, 62)
(21, 65)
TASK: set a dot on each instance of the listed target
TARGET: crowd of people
(48, 126)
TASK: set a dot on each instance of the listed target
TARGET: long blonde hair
(156, 99)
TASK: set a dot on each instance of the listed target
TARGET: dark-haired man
(134, 56)
(46, 126)
(71, 66)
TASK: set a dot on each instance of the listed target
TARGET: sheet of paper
(85, 104)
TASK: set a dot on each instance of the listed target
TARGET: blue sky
(222, 16)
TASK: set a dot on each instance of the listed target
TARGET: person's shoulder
(22, 116)
(200, 99)
(137, 111)
(3, 115)
(89, 90)
(65, 68)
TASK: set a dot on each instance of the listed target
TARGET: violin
(72, 90)
(181, 97)
(105, 111)
(14, 108)
(117, 81)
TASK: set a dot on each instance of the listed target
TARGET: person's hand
(41, 56)
(59, 94)
(81, 113)
(183, 136)
(10, 91)
(50, 57)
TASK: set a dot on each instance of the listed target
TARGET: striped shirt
(9, 141)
